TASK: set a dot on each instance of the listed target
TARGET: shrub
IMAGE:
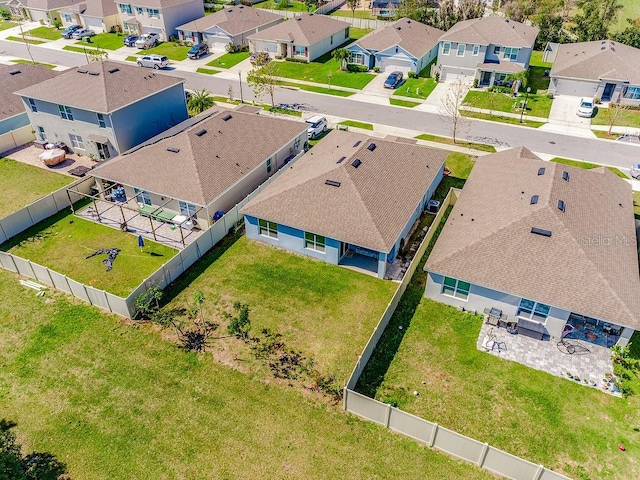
(437, 77)
(278, 57)
(297, 60)
(412, 75)
(357, 68)
(57, 23)
(5, 14)
(597, 100)
(376, 69)
(475, 82)
(550, 95)
(230, 47)
(498, 88)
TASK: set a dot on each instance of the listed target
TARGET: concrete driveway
(374, 91)
(433, 103)
(563, 117)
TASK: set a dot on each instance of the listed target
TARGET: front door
(608, 91)
(485, 79)
(103, 151)
(343, 248)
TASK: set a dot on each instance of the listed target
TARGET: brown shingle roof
(28, 75)
(492, 30)
(48, 4)
(414, 37)
(374, 201)
(103, 87)
(206, 165)
(502, 67)
(233, 20)
(602, 59)
(303, 30)
(100, 8)
(589, 265)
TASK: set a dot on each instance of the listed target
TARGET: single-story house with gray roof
(544, 244)
(351, 200)
(602, 69)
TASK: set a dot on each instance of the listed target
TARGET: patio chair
(590, 323)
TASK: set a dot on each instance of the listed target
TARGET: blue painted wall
(13, 123)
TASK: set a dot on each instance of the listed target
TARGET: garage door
(217, 42)
(390, 64)
(575, 88)
(451, 76)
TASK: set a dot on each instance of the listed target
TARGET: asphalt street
(592, 150)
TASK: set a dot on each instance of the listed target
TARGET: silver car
(153, 61)
(147, 40)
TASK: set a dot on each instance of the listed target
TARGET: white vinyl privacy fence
(432, 434)
(367, 23)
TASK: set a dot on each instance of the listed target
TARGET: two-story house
(157, 16)
(98, 15)
(104, 108)
(45, 11)
(488, 48)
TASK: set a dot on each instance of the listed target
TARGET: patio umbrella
(140, 242)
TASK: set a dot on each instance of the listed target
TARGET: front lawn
(626, 118)
(587, 166)
(529, 413)
(325, 311)
(416, 87)
(316, 89)
(63, 241)
(29, 62)
(23, 184)
(46, 33)
(7, 25)
(25, 40)
(120, 403)
(403, 103)
(356, 124)
(73, 48)
(537, 79)
(501, 119)
(537, 105)
(207, 71)
(291, 6)
(449, 141)
(229, 60)
(107, 41)
(318, 71)
(169, 49)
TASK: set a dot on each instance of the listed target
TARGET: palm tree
(199, 101)
(342, 55)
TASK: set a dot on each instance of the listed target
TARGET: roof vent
(227, 117)
(565, 176)
(342, 159)
(561, 205)
(408, 21)
(241, 7)
(201, 132)
(81, 70)
(541, 171)
(113, 70)
(356, 163)
(371, 147)
(332, 183)
(603, 42)
(173, 149)
(534, 199)
(603, 48)
(398, 28)
(540, 231)
(357, 143)
(95, 74)
(14, 72)
(298, 18)
(613, 49)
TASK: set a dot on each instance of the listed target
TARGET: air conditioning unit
(433, 206)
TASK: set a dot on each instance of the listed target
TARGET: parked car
(67, 32)
(259, 58)
(585, 109)
(147, 40)
(635, 171)
(130, 40)
(393, 80)
(198, 50)
(317, 125)
(153, 61)
(82, 33)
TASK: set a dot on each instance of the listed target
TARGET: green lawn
(7, 25)
(630, 9)
(355, 124)
(169, 50)
(29, 62)
(448, 141)
(501, 119)
(416, 87)
(23, 184)
(358, 33)
(27, 40)
(357, 14)
(119, 403)
(537, 105)
(293, 6)
(46, 33)
(63, 241)
(207, 71)
(318, 70)
(295, 296)
(403, 103)
(626, 118)
(316, 89)
(587, 166)
(537, 79)
(106, 41)
(636, 204)
(131, 58)
(459, 164)
(229, 60)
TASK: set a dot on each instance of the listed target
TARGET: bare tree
(26, 42)
(613, 113)
(450, 106)
(264, 80)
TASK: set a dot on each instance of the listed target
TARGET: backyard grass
(529, 413)
(292, 7)
(630, 9)
(207, 71)
(355, 124)
(501, 119)
(119, 403)
(63, 241)
(107, 41)
(29, 62)
(169, 50)
(537, 79)
(537, 105)
(587, 166)
(626, 118)
(449, 141)
(318, 70)
(403, 103)
(23, 184)
(355, 14)
(229, 60)
(313, 88)
(46, 33)
(416, 87)
(358, 33)
(459, 164)
(325, 311)
(27, 40)
(7, 25)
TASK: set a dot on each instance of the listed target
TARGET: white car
(586, 108)
(153, 61)
(147, 40)
(635, 171)
(317, 126)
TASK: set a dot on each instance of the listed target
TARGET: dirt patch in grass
(449, 141)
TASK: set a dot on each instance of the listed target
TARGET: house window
(346, 32)
(314, 242)
(476, 50)
(101, 121)
(76, 141)
(268, 165)
(299, 50)
(631, 93)
(357, 58)
(496, 49)
(187, 209)
(125, 8)
(139, 10)
(67, 17)
(500, 77)
(65, 112)
(511, 53)
(331, 39)
(461, 48)
(142, 197)
(41, 135)
(533, 310)
(32, 104)
(153, 13)
(446, 48)
(268, 229)
(455, 288)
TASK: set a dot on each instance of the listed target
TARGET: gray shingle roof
(589, 265)
(28, 75)
(103, 87)
(48, 4)
(492, 30)
(206, 165)
(414, 37)
(233, 20)
(306, 29)
(602, 59)
(374, 201)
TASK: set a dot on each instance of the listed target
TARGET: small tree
(264, 80)
(520, 79)
(450, 106)
(342, 55)
(613, 113)
(199, 101)
(239, 325)
(353, 4)
(148, 303)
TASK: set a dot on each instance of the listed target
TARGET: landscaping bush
(297, 60)
(357, 68)
(412, 75)
(597, 100)
(278, 57)
(57, 23)
(437, 77)
(475, 82)
(5, 14)
(376, 69)
(550, 95)
(499, 89)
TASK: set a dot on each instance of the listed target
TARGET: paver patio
(29, 154)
